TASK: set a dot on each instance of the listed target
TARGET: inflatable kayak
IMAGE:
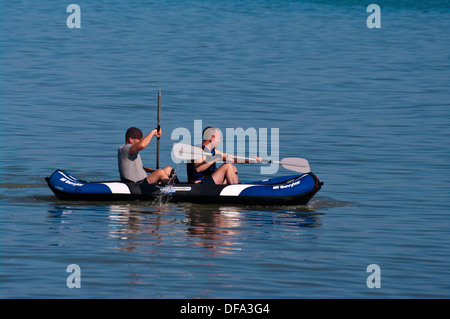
(288, 190)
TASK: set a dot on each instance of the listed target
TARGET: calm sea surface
(369, 109)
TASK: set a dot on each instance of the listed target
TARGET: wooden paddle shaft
(158, 128)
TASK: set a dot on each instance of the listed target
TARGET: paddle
(189, 152)
(158, 127)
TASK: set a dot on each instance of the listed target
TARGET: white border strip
(233, 190)
(118, 188)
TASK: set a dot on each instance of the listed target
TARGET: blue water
(369, 109)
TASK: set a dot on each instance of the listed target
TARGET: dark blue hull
(286, 190)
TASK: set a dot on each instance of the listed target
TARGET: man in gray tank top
(131, 168)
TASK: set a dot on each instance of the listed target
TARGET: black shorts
(142, 181)
(208, 180)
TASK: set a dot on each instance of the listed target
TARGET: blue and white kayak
(287, 190)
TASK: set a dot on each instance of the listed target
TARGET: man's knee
(228, 166)
(168, 170)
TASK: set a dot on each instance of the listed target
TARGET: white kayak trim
(234, 190)
(118, 188)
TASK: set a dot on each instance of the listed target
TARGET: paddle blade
(186, 152)
(295, 164)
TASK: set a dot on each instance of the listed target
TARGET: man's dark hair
(133, 132)
(208, 132)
